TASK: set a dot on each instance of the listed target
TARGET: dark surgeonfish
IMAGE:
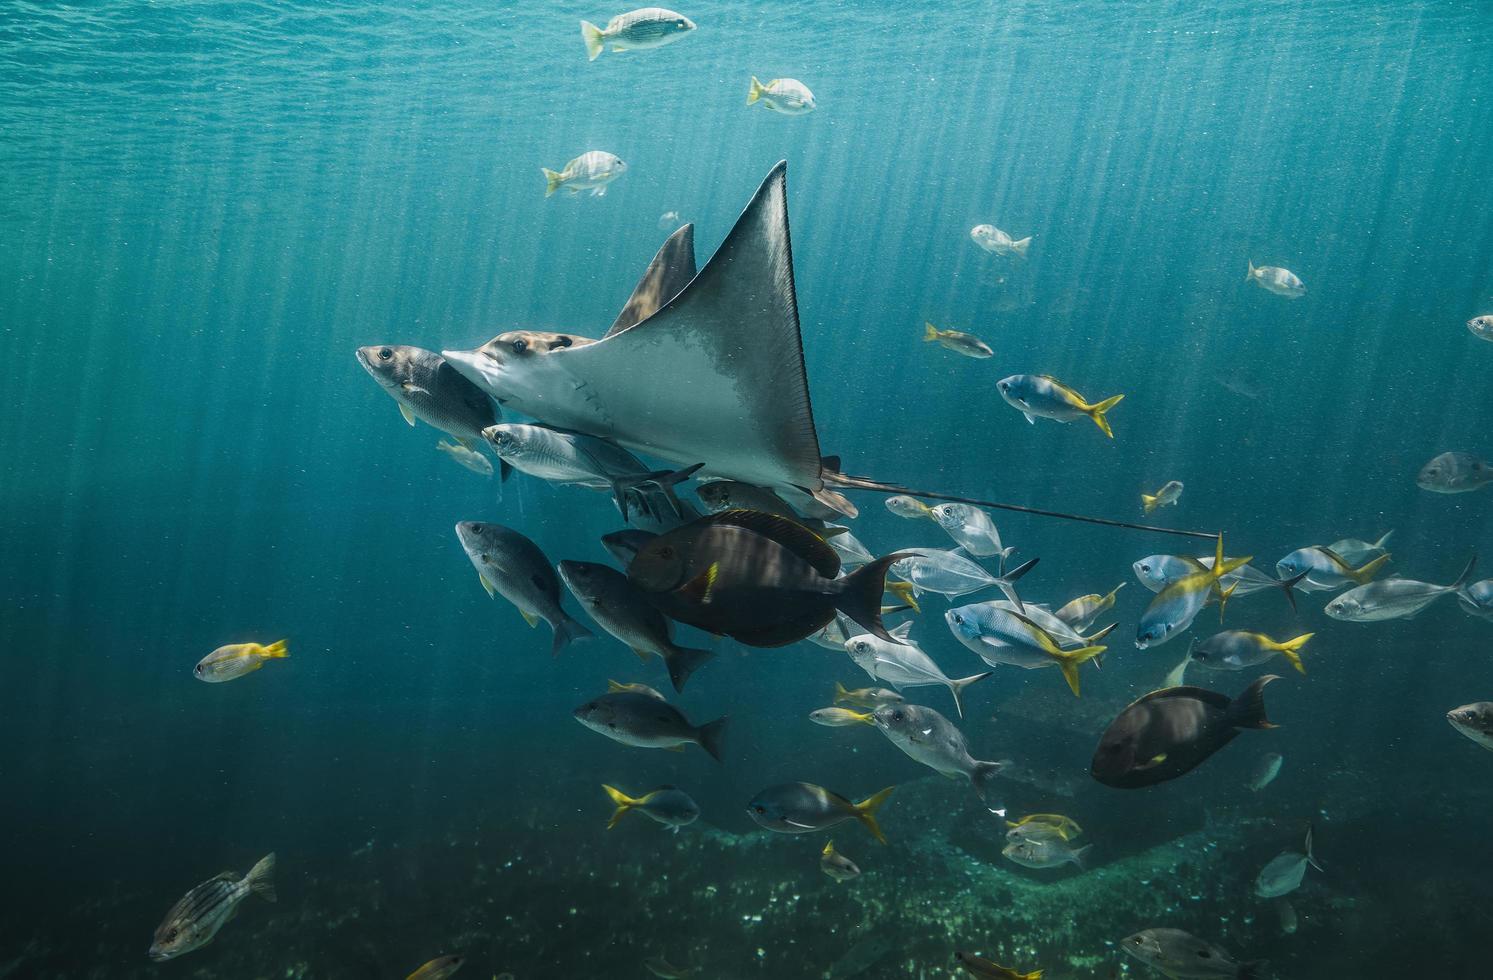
(510, 565)
(620, 609)
(761, 579)
(711, 369)
(1171, 731)
(430, 389)
(195, 920)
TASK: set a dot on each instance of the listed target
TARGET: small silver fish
(1392, 598)
(957, 341)
(195, 920)
(1046, 852)
(866, 697)
(1080, 613)
(997, 242)
(1475, 721)
(931, 739)
(972, 529)
(835, 717)
(1281, 282)
(591, 171)
(1183, 956)
(1170, 493)
(902, 663)
(1265, 771)
(1481, 327)
(836, 865)
(952, 574)
(788, 96)
(1043, 396)
(636, 30)
(470, 459)
(909, 507)
(426, 387)
(1284, 873)
(1454, 473)
(1356, 552)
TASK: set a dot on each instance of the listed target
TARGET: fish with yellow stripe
(233, 661)
(1000, 635)
(1326, 570)
(1239, 649)
(1043, 396)
(979, 966)
(438, 969)
(1170, 493)
(1174, 608)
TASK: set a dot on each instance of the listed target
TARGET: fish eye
(759, 809)
(519, 346)
(385, 354)
(1167, 628)
(666, 552)
(1204, 954)
(1136, 939)
(1146, 569)
(897, 715)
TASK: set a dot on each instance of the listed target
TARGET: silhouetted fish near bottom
(1173, 730)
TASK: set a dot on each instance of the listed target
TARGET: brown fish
(1171, 731)
(759, 578)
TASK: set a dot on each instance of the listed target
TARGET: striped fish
(196, 919)
(649, 27)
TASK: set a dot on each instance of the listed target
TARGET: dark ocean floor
(531, 900)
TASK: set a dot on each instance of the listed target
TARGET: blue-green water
(205, 207)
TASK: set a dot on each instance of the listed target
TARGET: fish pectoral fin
(492, 590)
(795, 823)
(407, 412)
(676, 748)
(413, 389)
(700, 588)
(1030, 418)
(642, 654)
(1151, 763)
(529, 618)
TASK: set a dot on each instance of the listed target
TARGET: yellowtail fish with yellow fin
(1060, 826)
(979, 966)
(1174, 608)
(468, 458)
(1274, 279)
(909, 507)
(667, 805)
(237, 659)
(1042, 396)
(1080, 613)
(591, 171)
(1170, 493)
(839, 717)
(1325, 569)
(957, 341)
(788, 96)
(438, 969)
(615, 687)
(802, 808)
(866, 697)
(836, 865)
(1003, 636)
(1238, 649)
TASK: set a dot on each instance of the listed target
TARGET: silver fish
(1043, 396)
(788, 96)
(1392, 598)
(619, 608)
(972, 529)
(1183, 956)
(852, 553)
(1004, 636)
(636, 30)
(929, 738)
(1356, 552)
(834, 717)
(428, 388)
(510, 565)
(957, 341)
(647, 722)
(997, 242)
(468, 458)
(1274, 279)
(1481, 327)
(1475, 721)
(1040, 852)
(1284, 873)
(1170, 493)
(909, 508)
(1080, 613)
(904, 664)
(1477, 599)
(1454, 473)
(1156, 572)
(591, 171)
(836, 865)
(950, 573)
(1265, 771)
(195, 920)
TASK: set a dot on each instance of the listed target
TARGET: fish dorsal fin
(737, 397)
(1200, 693)
(901, 630)
(790, 534)
(667, 275)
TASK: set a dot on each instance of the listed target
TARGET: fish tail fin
(710, 736)
(622, 801)
(1289, 587)
(755, 92)
(841, 694)
(859, 594)
(552, 184)
(1021, 245)
(1098, 412)
(930, 332)
(684, 661)
(956, 688)
(1068, 661)
(1248, 709)
(1007, 583)
(1290, 648)
(1081, 857)
(568, 631)
(1310, 857)
(1148, 502)
(1252, 270)
(1466, 575)
(1177, 676)
(593, 38)
(866, 809)
(1369, 570)
(1224, 595)
(906, 592)
(261, 878)
(982, 777)
(276, 650)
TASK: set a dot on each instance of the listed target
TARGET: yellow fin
(407, 412)
(1147, 502)
(866, 811)
(552, 179)
(930, 332)
(906, 593)
(828, 849)
(1368, 571)
(529, 618)
(1097, 413)
(491, 589)
(594, 39)
(840, 693)
(275, 650)
(755, 92)
(622, 801)
(700, 587)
